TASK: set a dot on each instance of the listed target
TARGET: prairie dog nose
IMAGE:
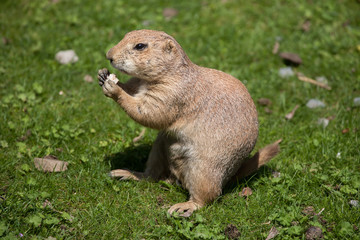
(109, 56)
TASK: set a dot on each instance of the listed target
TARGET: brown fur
(207, 119)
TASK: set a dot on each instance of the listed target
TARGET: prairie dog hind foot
(185, 209)
(126, 175)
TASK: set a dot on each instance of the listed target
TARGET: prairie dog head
(147, 54)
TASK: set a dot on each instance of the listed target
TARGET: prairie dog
(207, 119)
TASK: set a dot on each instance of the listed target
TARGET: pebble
(286, 72)
(357, 102)
(276, 174)
(66, 56)
(146, 23)
(314, 103)
(354, 203)
(322, 79)
(323, 122)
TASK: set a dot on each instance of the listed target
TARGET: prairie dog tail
(260, 158)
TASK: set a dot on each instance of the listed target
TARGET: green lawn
(48, 108)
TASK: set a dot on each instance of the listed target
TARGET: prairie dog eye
(140, 46)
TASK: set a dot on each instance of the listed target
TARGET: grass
(90, 132)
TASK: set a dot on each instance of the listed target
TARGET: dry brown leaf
(169, 13)
(306, 26)
(246, 192)
(346, 23)
(232, 232)
(291, 59)
(5, 41)
(295, 223)
(25, 136)
(346, 130)
(88, 78)
(267, 110)
(50, 238)
(50, 164)
(276, 48)
(272, 233)
(292, 113)
(160, 200)
(141, 135)
(330, 118)
(264, 101)
(309, 210)
(47, 203)
(313, 233)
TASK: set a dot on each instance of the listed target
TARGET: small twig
(276, 48)
(292, 113)
(320, 211)
(312, 81)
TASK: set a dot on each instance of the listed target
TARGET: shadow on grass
(264, 171)
(133, 158)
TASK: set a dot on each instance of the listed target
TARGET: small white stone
(66, 56)
(112, 77)
(146, 23)
(286, 72)
(88, 78)
(323, 122)
(314, 103)
(357, 102)
(322, 79)
(354, 203)
(276, 174)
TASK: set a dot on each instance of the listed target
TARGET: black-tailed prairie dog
(207, 120)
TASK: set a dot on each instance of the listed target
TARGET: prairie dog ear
(169, 46)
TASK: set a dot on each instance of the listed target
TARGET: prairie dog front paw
(104, 75)
(111, 89)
